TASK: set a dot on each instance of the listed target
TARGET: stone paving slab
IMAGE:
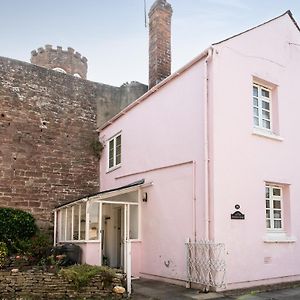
(144, 289)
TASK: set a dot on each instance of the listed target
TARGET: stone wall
(40, 285)
(48, 121)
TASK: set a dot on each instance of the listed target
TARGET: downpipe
(207, 196)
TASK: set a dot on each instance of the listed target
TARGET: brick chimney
(159, 41)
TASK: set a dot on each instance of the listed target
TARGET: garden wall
(36, 284)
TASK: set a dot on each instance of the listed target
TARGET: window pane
(276, 192)
(111, 153)
(265, 114)
(111, 163)
(267, 192)
(255, 91)
(276, 204)
(69, 224)
(255, 111)
(76, 223)
(277, 224)
(277, 214)
(268, 214)
(266, 124)
(256, 122)
(265, 105)
(63, 225)
(118, 140)
(82, 222)
(133, 226)
(265, 93)
(118, 159)
(268, 223)
(267, 203)
(255, 101)
(118, 150)
(94, 221)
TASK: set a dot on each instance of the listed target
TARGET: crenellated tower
(66, 61)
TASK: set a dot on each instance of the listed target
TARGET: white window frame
(63, 229)
(114, 165)
(271, 208)
(260, 98)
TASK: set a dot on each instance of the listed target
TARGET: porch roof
(121, 188)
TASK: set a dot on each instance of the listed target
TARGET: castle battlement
(69, 61)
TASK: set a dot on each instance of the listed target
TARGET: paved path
(144, 289)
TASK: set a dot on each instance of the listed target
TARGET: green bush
(80, 275)
(3, 253)
(37, 246)
(15, 225)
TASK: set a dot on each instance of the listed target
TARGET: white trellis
(206, 263)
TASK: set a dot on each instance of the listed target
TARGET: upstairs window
(274, 205)
(114, 151)
(262, 107)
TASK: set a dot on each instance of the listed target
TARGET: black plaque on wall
(237, 216)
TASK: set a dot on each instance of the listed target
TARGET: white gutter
(206, 147)
(155, 88)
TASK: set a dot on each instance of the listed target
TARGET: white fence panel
(206, 263)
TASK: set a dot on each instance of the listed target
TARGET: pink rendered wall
(90, 253)
(243, 162)
(136, 253)
(166, 129)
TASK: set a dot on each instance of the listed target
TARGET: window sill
(266, 134)
(279, 238)
(113, 168)
(80, 242)
(135, 241)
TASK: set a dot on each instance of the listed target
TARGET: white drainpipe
(206, 147)
(194, 203)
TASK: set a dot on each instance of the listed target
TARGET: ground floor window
(133, 222)
(81, 222)
(72, 223)
(94, 221)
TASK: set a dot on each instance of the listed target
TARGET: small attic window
(60, 70)
(77, 75)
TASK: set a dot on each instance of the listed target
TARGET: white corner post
(127, 248)
(128, 266)
(55, 228)
(100, 235)
(87, 221)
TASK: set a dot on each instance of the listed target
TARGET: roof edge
(135, 183)
(155, 88)
(288, 12)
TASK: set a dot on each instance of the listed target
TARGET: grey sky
(111, 33)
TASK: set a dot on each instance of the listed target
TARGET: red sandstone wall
(47, 122)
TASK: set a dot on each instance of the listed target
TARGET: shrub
(36, 247)
(15, 225)
(81, 275)
(40, 245)
(3, 253)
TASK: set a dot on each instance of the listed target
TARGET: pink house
(200, 175)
